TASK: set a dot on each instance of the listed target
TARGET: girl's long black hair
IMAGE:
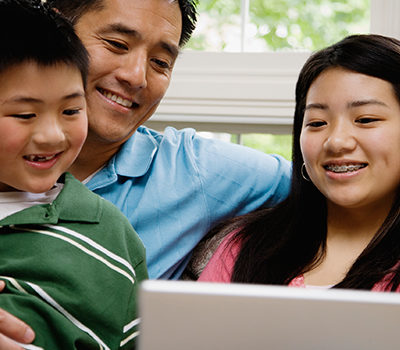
(283, 242)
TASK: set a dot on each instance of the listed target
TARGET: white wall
(245, 92)
(234, 92)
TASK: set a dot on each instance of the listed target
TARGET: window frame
(245, 92)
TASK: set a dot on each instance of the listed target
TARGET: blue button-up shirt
(175, 186)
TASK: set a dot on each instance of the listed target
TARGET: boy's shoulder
(90, 212)
(80, 202)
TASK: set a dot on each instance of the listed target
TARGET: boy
(70, 260)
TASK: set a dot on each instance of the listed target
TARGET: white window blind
(245, 92)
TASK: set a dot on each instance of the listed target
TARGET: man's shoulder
(209, 153)
(145, 142)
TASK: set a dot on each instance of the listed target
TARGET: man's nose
(133, 71)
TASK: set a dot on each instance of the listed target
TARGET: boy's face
(43, 124)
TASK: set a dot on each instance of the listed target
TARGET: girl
(340, 225)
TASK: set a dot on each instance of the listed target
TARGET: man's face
(133, 45)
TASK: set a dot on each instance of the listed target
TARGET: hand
(11, 328)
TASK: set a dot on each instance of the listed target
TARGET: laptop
(183, 315)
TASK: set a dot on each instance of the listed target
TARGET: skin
(42, 130)
(133, 46)
(36, 120)
(13, 328)
(351, 119)
(135, 63)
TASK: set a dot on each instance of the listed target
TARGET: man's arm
(11, 328)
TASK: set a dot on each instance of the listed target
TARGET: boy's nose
(49, 132)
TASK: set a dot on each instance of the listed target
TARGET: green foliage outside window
(277, 25)
(305, 24)
(268, 143)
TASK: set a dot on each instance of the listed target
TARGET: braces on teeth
(344, 168)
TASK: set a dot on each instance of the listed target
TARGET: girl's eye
(23, 116)
(72, 111)
(316, 124)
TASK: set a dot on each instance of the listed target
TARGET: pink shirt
(220, 267)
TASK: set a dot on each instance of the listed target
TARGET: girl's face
(350, 139)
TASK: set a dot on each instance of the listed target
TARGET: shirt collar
(75, 203)
(136, 154)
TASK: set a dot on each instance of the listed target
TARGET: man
(175, 186)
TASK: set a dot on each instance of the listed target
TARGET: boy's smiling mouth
(41, 158)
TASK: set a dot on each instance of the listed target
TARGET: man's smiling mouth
(117, 99)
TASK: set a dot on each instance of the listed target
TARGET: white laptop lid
(180, 315)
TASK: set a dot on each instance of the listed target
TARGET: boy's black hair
(31, 30)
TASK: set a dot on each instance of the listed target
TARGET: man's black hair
(74, 9)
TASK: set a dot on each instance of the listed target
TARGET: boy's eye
(23, 116)
(366, 120)
(72, 111)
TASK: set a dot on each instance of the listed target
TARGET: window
(237, 74)
(270, 25)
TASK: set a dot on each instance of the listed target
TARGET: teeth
(34, 158)
(118, 99)
(344, 168)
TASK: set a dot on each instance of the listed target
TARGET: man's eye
(72, 111)
(117, 44)
(161, 64)
(23, 116)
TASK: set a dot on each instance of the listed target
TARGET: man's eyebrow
(123, 29)
(361, 103)
(172, 49)
(120, 28)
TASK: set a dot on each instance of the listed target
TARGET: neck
(356, 223)
(92, 157)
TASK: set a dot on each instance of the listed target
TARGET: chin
(39, 188)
